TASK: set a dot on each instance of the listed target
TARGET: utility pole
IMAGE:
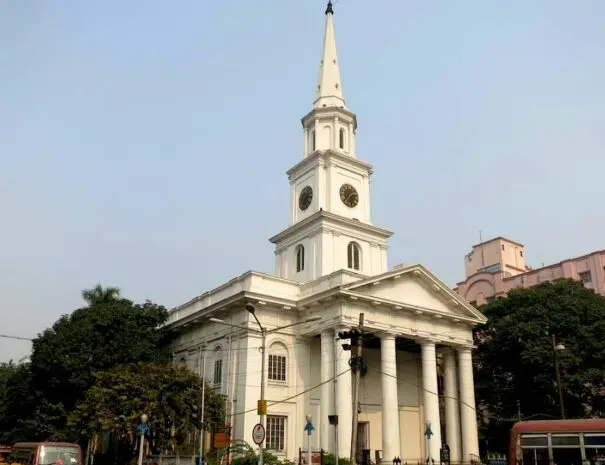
(558, 348)
(356, 365)
(359, 369)
(203, 376)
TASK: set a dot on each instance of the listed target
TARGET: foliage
(100, 295)
(37, 398)
(330, 459)
(92, 339)
(514, 362)
(171, 396)
(244, 454)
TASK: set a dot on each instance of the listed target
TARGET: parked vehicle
(558, 442)
(45, 453)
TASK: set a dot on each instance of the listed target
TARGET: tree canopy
(100, 294)
(171, 396)
(514, 361)
(66, 357)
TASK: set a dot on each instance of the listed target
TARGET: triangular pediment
(415, 287)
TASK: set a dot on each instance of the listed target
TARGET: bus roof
(29, 445)
(578, 425)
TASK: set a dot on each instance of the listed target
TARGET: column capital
(465, 350)
(428, 341)
(385, 335)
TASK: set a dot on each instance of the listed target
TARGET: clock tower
(330, 226)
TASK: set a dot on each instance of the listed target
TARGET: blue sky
(144, 144)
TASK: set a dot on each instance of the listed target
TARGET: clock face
(349, 196)
(305, 198)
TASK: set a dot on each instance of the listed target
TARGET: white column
(306, 144)
(344, 398)
(452, 406)
(327, 390)
(431, 398)
(468, 414)
(390, 405)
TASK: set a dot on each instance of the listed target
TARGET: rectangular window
(534, 440)
(277, 367)
(276, 432)
(565, 440)
(218, 372)
(585, 277)
(596, 440)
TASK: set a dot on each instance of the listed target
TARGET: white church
(331, 266)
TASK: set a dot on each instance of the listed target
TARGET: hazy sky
(144, 144)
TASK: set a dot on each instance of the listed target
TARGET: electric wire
(400, 381)
(297, 394)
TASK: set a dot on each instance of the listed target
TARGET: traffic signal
(354, 335)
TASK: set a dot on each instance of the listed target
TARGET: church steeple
(329, 89)
(330, 227)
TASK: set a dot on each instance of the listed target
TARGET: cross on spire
(329, 8)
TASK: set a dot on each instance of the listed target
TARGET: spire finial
(329, 8)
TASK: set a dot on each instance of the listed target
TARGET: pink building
(496, 266)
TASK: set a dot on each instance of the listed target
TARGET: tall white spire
(329, 89)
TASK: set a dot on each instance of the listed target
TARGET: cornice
(321, 157)
(328, 112)
(336, 220)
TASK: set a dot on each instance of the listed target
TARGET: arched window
(353, 256)
(278, 358)
(300, 258)
(342, 138)
(217, 376)
(312, 141)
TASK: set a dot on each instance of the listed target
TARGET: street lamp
(558, 347)
(263, 333)
(143, 428)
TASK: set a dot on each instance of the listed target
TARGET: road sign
(258, 434)
(261, 407)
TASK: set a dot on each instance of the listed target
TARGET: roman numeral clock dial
(349, 196)
(305, 198)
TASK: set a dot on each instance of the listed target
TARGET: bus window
(59, 455)
(594, 446)
(535, 456)
(534, 449)
(566, 449)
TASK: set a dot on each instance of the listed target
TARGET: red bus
(45, 453)
(558, 442)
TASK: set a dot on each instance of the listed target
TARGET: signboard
(221, 440)
(261, 407)
(258, 434)
(315, 457)
(444, 453)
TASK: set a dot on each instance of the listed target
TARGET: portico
(438, 339)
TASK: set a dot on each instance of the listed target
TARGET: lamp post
(203, 376)
(263, 333)
(143, 428)
(555, 349)
(309, 429)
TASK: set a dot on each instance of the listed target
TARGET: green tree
(24, 413)
(514, 361)
(100, 294)
(169, 395)
(66, 357)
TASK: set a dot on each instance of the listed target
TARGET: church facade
(330, 267)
